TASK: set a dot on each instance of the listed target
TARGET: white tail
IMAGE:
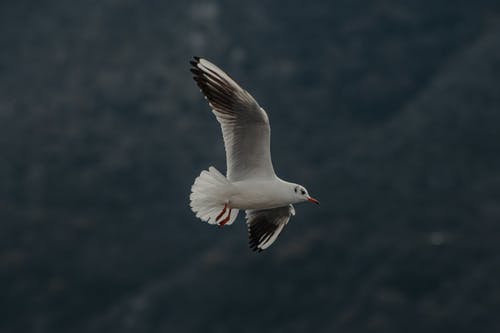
(209, 198)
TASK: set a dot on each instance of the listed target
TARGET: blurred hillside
(387, 111)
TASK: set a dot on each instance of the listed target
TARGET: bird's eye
(302, 191)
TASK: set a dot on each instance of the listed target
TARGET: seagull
(250, 183)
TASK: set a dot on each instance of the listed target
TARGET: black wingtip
(256, 249)
(195, 61)
(254, 246)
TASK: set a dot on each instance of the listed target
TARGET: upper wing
(265, 225)
(245, 125)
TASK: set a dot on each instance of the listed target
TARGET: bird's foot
(228, 217)
(221, 213)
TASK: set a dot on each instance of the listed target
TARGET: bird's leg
(221, 213)
(226, 219)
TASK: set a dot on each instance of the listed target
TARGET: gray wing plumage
(245, 125)
(264, 225)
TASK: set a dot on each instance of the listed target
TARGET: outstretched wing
(265, 225)
(245, 125)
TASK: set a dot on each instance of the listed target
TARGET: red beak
(311, 199)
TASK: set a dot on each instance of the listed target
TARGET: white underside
(259, 194)
(211, 191)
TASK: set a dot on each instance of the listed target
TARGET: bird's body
(260, 194)
(251, 183)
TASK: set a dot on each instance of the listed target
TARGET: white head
(300, 194)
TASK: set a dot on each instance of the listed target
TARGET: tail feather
(209, 196)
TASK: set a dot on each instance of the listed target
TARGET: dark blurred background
(387, 111)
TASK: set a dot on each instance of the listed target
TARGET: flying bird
(250, 183)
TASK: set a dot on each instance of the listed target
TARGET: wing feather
(245, 125)
(265, 225)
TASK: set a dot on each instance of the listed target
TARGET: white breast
(260, 194)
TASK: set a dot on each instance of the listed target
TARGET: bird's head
(300, 194)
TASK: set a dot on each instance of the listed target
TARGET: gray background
(387, 111)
